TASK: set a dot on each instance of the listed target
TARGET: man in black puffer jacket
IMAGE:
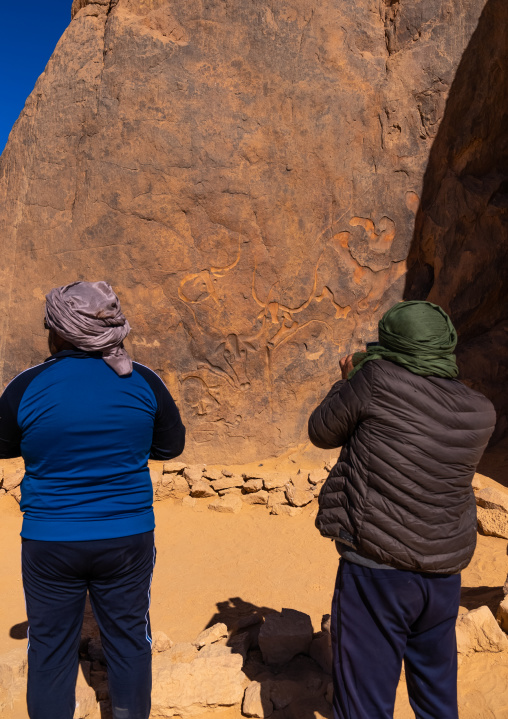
(400, 505)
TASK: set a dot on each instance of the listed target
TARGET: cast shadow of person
(297, 688)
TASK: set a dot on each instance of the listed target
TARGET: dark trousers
(117, 574)
(381, 617)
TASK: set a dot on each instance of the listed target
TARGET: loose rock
(477, 483)
(283, 692)
(230, 504)
(298, 497)
(285, 509)
(213, 474)
(213, 678)
(180, 487)
(202, 488)
(492, 522)
(193, 473)
(234, 480)
(256, 700)
(240, 644)
(173, 467)
(478, 631)
(285, 635)
(317, 476)
(232, 490)
(491, 498)
(253, 485)
(182, 653)
(300, 481)
(260, 497)
(160, 641)
(211, 635)
(275, 498)
(12, 480)
(275, 480)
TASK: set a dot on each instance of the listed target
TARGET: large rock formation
(458, 257)
(245, 174)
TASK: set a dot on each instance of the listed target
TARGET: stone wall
(245, 175)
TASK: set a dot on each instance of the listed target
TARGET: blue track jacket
(86, 435)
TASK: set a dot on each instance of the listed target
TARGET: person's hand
(346, 365)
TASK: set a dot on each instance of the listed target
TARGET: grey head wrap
(88, 315)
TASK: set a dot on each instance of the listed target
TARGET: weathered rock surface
(229, 504)
(298, 497)
(260, 497)
(256, 700)
(492, 498)
(211, 635)
(160, 641)
(213, 678)
(275, 480)
(246, 176)
(478, 631)
(492, 522)
(285, 635)
(202, 488)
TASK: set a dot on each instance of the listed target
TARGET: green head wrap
(416, 335)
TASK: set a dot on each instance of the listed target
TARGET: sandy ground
(211, 567)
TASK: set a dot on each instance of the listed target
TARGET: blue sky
(29, 31)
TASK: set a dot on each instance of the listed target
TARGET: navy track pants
(117, 574)
(382, 617)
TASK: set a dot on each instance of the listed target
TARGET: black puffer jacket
(401, 492)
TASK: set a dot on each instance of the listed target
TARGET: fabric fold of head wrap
(417, 335)
(88, 315)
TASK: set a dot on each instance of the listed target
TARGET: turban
(417, 335)
(88, 315)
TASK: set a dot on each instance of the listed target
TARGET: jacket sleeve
(168, 438)
(333, 422)
(168, 432)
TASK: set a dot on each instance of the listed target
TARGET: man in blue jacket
(85, 422)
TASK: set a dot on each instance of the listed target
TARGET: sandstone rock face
(458, 256)
(246, 175)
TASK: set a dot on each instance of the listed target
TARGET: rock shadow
(494, 462)
(474, 597)
(296, 689)
(458, 253)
